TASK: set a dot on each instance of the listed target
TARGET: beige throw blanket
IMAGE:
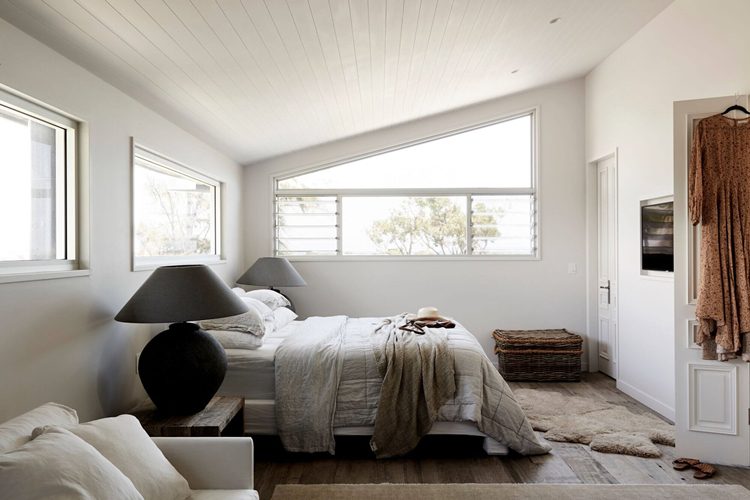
(308, 370)
(418, 378)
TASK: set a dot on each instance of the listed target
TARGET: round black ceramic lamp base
(182, 368)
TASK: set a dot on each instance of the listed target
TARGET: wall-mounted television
(657, 236)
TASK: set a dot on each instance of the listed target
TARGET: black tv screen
(657, 237)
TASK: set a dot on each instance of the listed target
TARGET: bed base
(260, 420)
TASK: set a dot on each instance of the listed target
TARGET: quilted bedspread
(482, 396)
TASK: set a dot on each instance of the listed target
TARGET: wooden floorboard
(449, 459)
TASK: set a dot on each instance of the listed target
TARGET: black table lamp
(272, 272)
(181, 368)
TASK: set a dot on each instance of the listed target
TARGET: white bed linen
(250, 373)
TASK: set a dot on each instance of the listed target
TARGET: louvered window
(470, 193)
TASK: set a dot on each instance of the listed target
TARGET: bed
(252, 374)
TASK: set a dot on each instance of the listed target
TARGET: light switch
(572, 268)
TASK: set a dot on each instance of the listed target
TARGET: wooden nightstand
(223, 416)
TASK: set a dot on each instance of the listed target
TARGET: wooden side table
(223, 416)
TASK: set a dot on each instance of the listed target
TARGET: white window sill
(43, 275)
(149, 264)
(657, 275)
(413, 258)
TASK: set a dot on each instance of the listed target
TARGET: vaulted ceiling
(258, 78)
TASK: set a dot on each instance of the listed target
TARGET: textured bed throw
(308, 370)
(327, 377)
(418, 378)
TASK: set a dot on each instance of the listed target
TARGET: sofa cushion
(123, 442)
(61, 465)
(17, 431)
(224, 495)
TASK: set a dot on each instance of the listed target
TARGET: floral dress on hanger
(719, 199)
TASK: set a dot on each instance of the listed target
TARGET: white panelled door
(607, 268)
(712, 397)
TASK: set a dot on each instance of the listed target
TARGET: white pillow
(17, 431)
(282, 317)
(61, 465)
(270, 325)
(239, 291)
(248, 322)
(123, 442)
(236, 340)
(272, 299)
(265, 311)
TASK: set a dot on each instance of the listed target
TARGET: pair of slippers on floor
(702, 471)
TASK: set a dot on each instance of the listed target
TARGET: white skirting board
(646, 399)
(260, 419)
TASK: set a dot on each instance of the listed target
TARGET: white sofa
(215, 468)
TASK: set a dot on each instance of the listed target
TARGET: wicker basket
(538, 355)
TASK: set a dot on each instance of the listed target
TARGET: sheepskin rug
(604, 426)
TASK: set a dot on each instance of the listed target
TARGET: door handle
(609, 291)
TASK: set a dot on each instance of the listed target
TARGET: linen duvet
(327, 376)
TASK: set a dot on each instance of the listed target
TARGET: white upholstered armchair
(43, 454)
(215, 467)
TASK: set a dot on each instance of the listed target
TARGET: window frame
(70, 213)
(160, 161)
(533, 190)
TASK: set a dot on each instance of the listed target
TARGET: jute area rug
(606, 427)
(508, 491)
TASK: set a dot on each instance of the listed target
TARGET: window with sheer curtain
(470, 193)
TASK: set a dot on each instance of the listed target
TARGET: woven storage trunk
(538, 355)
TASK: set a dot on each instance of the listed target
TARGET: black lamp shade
(181, 293)
(181, 368)
(272, 272)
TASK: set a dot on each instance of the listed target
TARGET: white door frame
(592, 264)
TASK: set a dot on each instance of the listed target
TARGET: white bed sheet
(250, 373)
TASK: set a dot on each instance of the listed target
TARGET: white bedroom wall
(58, 341)
(694, 49)
(483, 295)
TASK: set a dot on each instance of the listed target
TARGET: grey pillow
(248, 322)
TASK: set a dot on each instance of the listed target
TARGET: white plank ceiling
(258, 78)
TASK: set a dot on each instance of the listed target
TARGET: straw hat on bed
(428, 313)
